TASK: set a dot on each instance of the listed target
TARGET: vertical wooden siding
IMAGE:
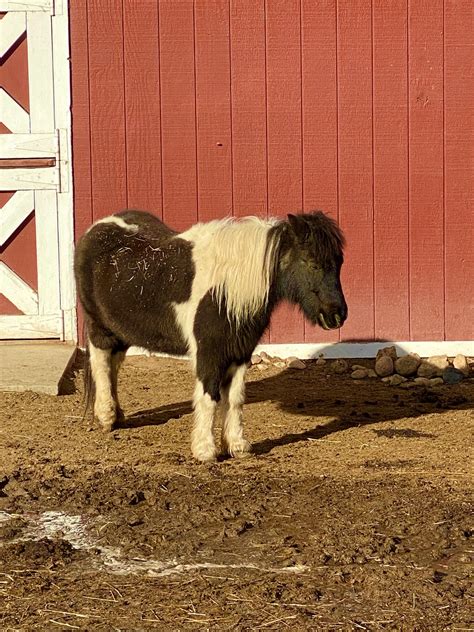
(200, 109)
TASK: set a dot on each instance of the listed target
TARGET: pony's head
(311, 266)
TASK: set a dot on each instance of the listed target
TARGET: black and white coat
(207, 292)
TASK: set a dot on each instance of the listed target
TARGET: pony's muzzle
(333, 319)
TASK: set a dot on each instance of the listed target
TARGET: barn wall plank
(355, 163)
(81, 155)
(319, 91)
(142, 104)
(390, 170)
(213, 109)
(285, 193)
(178, 113)
(249, 144)
(459, 164)
(425, 54)
(107, 107)
(249, 110)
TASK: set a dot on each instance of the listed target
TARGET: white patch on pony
(235, 259)
(233, 397)
(185, 313)
(104, 404)
(203, 446)
(118, 221)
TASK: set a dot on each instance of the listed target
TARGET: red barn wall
(197, 110)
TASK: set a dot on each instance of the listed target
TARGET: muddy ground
(354, 513)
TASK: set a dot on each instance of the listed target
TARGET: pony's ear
(299, 226)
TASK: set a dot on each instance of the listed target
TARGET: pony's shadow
(157, 416)
(348, 409)
(374, 407)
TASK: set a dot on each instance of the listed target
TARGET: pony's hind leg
(117, 360)
(105, 407)
(233, 395)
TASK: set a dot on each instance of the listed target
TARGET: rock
(371, 373)
(396, 380)
(452, 375)
(408, 365)
(356, 367)
(386, 380)
(426, 370)
(391, 352)
(280, 364)
(384, 366)
(320, 362)
(423, 381)
(255, 359)
(276, 359)
(409, 385)
(263, 366)
(265, 357)
(461, 364)
(433, 367)
(436, 381)
(296, 364)
(340, 366)
(359, 374)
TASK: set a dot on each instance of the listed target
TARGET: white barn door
(35, 171)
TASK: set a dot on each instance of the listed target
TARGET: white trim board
(62, 111)
(425, 349)
(307, 351)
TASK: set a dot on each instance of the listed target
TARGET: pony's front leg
(203, 445)
(233, 396)
(105, 408)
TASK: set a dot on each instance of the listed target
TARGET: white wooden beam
(30, 327)
(28, 178)
(17, 291)
(12, 27)
(13, 115)
(62, 105)
(14, 212)
(27, 5)
(40, 72)
(47, 252)
(28, 145)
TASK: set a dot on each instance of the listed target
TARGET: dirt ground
(353, 513)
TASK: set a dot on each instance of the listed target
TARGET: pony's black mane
(327, 235)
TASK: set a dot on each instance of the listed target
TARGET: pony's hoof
(107, 426)
(240, 450)
(205, 454)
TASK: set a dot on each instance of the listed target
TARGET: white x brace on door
(35, 166)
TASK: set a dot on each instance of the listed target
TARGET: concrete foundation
(37, 367)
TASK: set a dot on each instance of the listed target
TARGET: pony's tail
(89, 386)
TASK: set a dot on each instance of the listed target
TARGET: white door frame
(45, 132)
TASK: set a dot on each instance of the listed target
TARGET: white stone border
(306, 351)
